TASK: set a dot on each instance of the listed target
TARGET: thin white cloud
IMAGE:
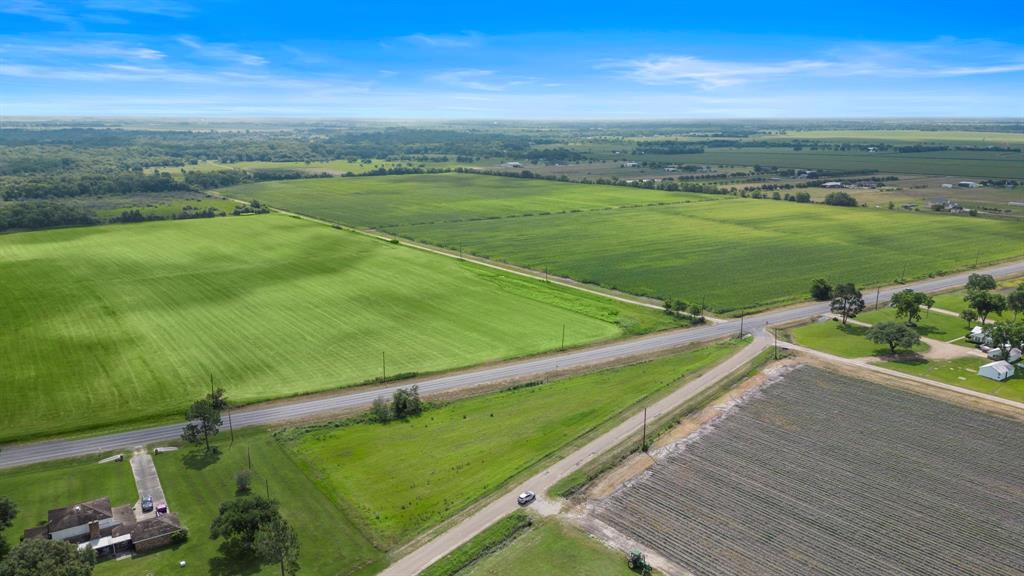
(224, 52)
(945, 57)
(98, 49)
(35, 9)
(478, 79)
(170, 8)
(467, 40)
(657, 70)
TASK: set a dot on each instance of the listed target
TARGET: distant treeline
(45, 214)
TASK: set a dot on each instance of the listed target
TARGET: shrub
(243, 481)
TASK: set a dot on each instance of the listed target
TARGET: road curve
(21, 454)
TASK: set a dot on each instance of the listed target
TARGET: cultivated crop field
(127, 323)
(735, 253)
(826, 474)
(386, 201)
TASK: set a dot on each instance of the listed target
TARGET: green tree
(848, 301)
(985, 303)
(969, 315)
(406, 402)
(894, 334)
(1015, 301)
(1006, 335)
(908, 304)
(277, 543)
(380, 410)
(239, 519)
(840, 199)
(696, 311)
(667, 305)
(243, 481)
(38, 557)
(821, 290)
(8, 510)
(679, 306)
(204, 422)
(981, 282)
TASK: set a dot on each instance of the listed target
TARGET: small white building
(977, 335)
(832, 185)
(512, 165)
(967, 184)
(630, 164)
(997, 371)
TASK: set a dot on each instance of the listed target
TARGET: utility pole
(775, 331)
(563, 336)
(877, 292)
(231, 428)
(545, 273)
(643, 441)
(248, 455)
(267, 481)
(741, 326)
(383, 367)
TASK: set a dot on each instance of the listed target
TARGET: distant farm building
(967, 184)
(630, 164)
(832, 185)
(512, 165)
(998, 371)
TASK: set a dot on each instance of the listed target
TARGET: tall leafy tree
(894, 334)
(277, 543)
(847, 301)
(985, 303)
(1015, 301)
(204, 418)
(821, 290)
(238, 520)
(969, 316)
(8, 510)
(981, 282)
(908, 304)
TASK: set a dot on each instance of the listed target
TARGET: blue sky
(514, 60)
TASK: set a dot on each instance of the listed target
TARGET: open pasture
(735, 253)
(387, 201)
(826, 474)
(403, 477)
(127, 323)
(961, 137)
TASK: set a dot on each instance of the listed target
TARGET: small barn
(997, 371)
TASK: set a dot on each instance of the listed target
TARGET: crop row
(826, 474)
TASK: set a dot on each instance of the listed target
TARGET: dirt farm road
(528, 368)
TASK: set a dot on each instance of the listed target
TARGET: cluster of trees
(187, 212)
(679, 307)
(37, 214)
(846, 300)
(88, 184)
(253, 207)
(908, 304)
(667, 147)
(404, 403)
(252, 525)
(840, 199)
(981, 301)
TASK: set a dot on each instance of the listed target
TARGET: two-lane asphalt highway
(537, 367)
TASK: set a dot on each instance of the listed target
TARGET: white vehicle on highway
(526, 497)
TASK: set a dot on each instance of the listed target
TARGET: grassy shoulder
(962, 372)
(404, 477)
(934, 325)
(140, 316)
(487, 542)
(552, 547)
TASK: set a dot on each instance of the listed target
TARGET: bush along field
(403, 477)
(121, 324)
(732, 253)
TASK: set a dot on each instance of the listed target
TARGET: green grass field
(909, 136)
(382, 202)
(954, 301)
(125, 324)
(736, 253)
(195, 486)
(552, 547)
(333, 166)
(847, 341)
(931, 325)
(401, 478)
(962, 372)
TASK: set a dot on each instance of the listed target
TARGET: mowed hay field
(825, 474)
(126, 323)
(736, 253)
